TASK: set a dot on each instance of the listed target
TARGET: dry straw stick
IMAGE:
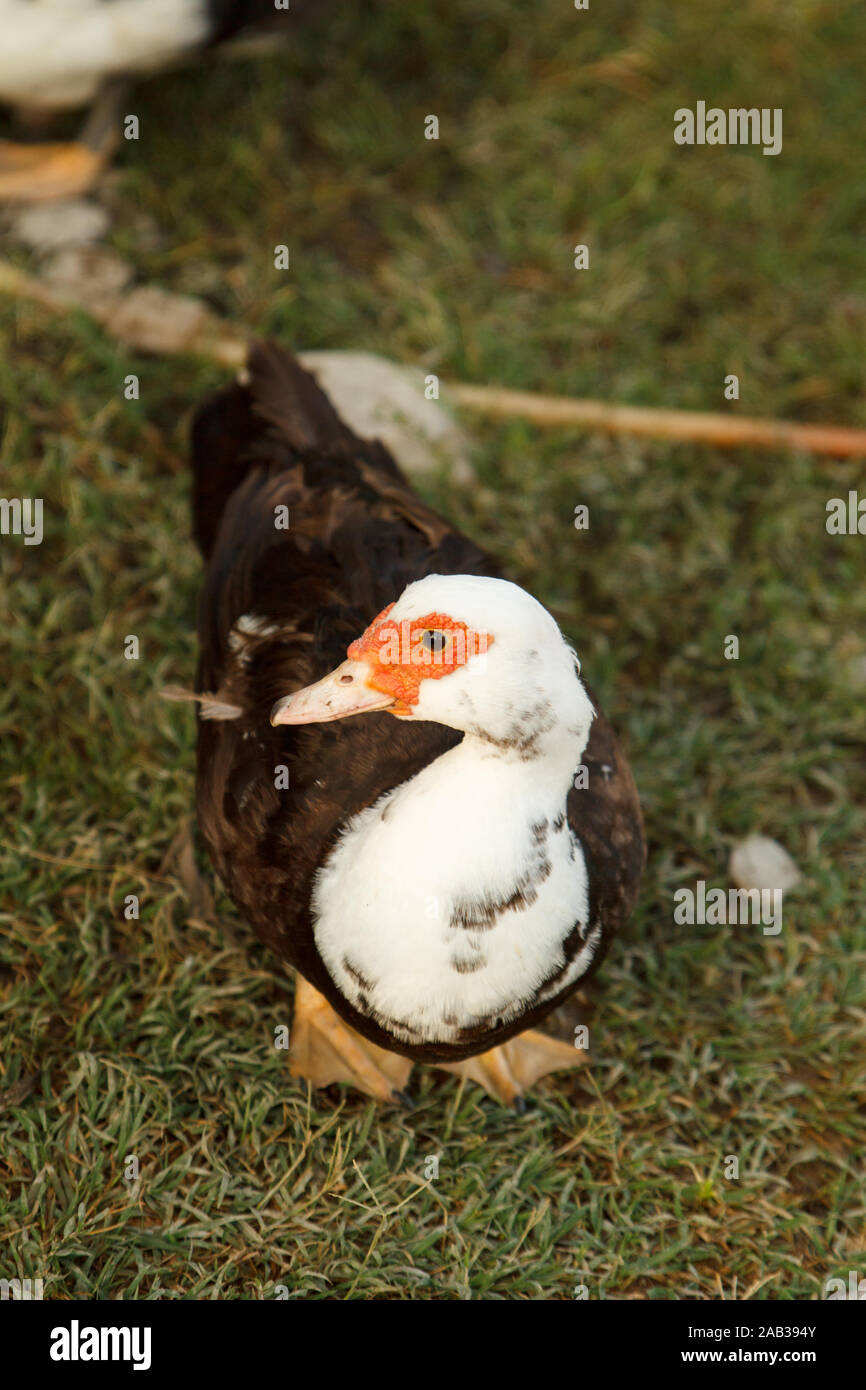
(724, 431)
(164, 323)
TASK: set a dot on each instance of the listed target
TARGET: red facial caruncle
(384, 669)
(401, 655)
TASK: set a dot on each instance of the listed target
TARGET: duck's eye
(432, 640)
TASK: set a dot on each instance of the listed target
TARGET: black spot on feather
(360, 980)
(467, 967)
(480, 914)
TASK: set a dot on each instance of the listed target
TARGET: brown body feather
(358, 535)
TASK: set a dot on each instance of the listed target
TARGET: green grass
(154, 1037)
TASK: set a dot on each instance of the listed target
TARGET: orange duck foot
(37, 173)
(63, 169)
(506, 1072)
(325, 1050)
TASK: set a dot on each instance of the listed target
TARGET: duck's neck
(514, 766)
(543, 731)
(480, 795)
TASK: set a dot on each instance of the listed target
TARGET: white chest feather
(459, 898)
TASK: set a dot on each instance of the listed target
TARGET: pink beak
(336, 696)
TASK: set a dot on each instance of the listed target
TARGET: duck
(60, 55)
(403, 780)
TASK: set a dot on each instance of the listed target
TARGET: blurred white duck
(59, 55)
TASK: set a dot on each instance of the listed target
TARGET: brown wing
(606, 818)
